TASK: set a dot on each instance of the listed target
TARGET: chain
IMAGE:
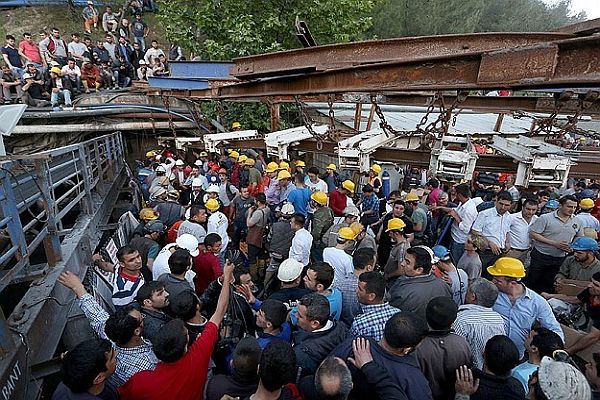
(220, 113)
(165, 100)
(308, 122)
(383, 124)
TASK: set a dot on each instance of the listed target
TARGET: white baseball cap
(289, 270)
(188, 242)
(212, 189)
(288, 209)
(179, 162)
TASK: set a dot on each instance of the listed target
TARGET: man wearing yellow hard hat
(519, 306)
(332, 179)
(338, 256)
(218, 223)
(271, 186)
(395, 229)
(236, 126)
(588, 221)
(418, 217)
(322, 220)
(338, 199)
(300, 165)
(285, 185)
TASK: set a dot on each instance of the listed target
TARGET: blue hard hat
(552, 204)
(584, 243)
(441, 252)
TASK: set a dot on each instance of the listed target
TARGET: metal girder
(334, 56)
(200, 69)
(581, 28)
(572, 63)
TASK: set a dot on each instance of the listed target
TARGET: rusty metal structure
(442, 73)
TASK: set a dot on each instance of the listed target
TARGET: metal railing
(42, 194)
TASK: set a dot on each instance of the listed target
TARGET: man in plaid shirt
(123, 329)
(376, 312)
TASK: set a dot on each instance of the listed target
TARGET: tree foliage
(223, 29)
(397, 18)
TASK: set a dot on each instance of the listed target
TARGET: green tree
(398, 18)
(223, 29)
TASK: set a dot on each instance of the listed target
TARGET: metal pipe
(100, 127)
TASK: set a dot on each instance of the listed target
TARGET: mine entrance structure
(440, 72)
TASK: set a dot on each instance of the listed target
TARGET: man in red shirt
(181, 373)
(338, 199)
(206, 265)
(30, 52)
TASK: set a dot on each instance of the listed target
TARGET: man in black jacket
(243, 380)
(318, 335)
(153, 298)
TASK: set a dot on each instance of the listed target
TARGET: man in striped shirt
(476, 321)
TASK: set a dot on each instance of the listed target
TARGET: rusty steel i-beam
(564, 63)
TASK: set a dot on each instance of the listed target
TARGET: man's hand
(564, 246)
(228, 272)
(246, 290)
(362, 352)
(494, 247)
(55, 90)
(465, 384)
(72, 281)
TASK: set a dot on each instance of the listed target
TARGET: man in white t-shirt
(518, 234)
(337, 256)
(161, 262)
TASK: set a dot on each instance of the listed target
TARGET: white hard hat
(562, 381)
(289, 270)
(198, 163)
(351, 210)
(179, 162)
(434, 259)
(188, 242)
(157, 191)
(161, 168)
(158, 157)
(212, 189)
(197, 182)
(288, 209)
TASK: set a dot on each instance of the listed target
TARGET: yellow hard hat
(319, 197)
(283, 174)
(376, 168)
(272, 167)
(507, 266)
(148, 214)
(357, 228)
(56, 70)
(236, 125)
(586, 204)
(150, 154)
(349, 186)
(250, 162)
(331, 167)
(395, 224)
(346, 233)
(300, 163)
(242, 158)
(212, 204)
(234, 154)
(284, 165)
(411, 197)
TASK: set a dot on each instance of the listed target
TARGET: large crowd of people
(51, 70)
(257, 278)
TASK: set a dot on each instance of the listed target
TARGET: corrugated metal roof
(406, 118)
